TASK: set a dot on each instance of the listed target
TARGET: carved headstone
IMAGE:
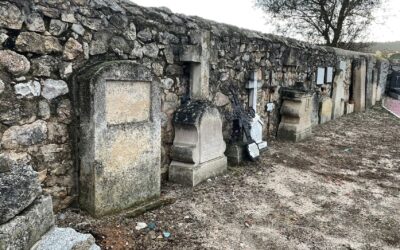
(296, 115)
(198, 149)
(120, 145)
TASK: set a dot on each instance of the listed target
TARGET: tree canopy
(336, 23)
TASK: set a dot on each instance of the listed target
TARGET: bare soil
(339, 189)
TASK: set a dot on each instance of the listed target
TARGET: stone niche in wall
(119, 149)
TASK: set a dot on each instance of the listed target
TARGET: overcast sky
(242, 13)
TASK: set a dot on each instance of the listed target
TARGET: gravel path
(339, 189)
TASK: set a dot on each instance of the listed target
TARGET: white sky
(241, 13)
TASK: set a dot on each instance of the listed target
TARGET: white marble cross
(257, 124)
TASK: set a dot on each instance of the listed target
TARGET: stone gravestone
(338, 91)
(256, 129)
(359, 76)
(296, 114)
(120, 146)
(198, 149)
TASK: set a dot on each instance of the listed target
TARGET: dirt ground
(339, 189)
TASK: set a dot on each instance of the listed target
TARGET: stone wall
(43, 43)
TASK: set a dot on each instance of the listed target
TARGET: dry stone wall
(44, 43)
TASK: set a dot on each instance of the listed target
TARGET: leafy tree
(336, 23)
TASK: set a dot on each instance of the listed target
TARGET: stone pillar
(296, 115)
(359, 76)
(198, 149)
(338, 95)
(120, 130)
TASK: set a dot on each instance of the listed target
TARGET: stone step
(66, 239)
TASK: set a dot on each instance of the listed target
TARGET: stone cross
(199, 58)
(252, 86)
(256, 129)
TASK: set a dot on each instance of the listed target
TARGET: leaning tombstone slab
(120, 130)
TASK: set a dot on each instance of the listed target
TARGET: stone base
(191, 175)
(349, 108)
(235, 153)
(394, 95)
(289, 135)
(24, 230)
(66, 239)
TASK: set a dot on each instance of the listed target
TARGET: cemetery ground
(339, 189)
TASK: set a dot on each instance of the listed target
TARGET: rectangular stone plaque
(320, 76)
(329, 74)
(127, 101)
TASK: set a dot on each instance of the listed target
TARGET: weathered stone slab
(121, 137)
(24, 230)
(18, 188)
(198, 149)
(325, 110)
(338, 95)
(359, 76)
(66, 239)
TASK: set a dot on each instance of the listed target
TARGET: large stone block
(198, 149)
(14, 63)
(39, 44)
(18, 187)
(25, 135)
(66, 239)
(24, 230)
(11, 16)
(120, 137)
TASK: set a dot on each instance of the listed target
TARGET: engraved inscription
(127, 102)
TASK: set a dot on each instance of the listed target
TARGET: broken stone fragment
(130, 33)
(72, 49)
(2, 86)
(92, 23)
(18, 189)
(34, 22)
(167, 83)
(78, 29)
(44, 66)
(145, 35)
(98, 47)
(221, 100)
(118, 43)
(25, 135)
(35, 43)
(8, 160)
(57, 27)
(24, 230)
(54, 88)
(14, 63)
(10, 16)
(137, 51)
(151, 50)
(44, 110)
(68, 17)
(31, 88)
